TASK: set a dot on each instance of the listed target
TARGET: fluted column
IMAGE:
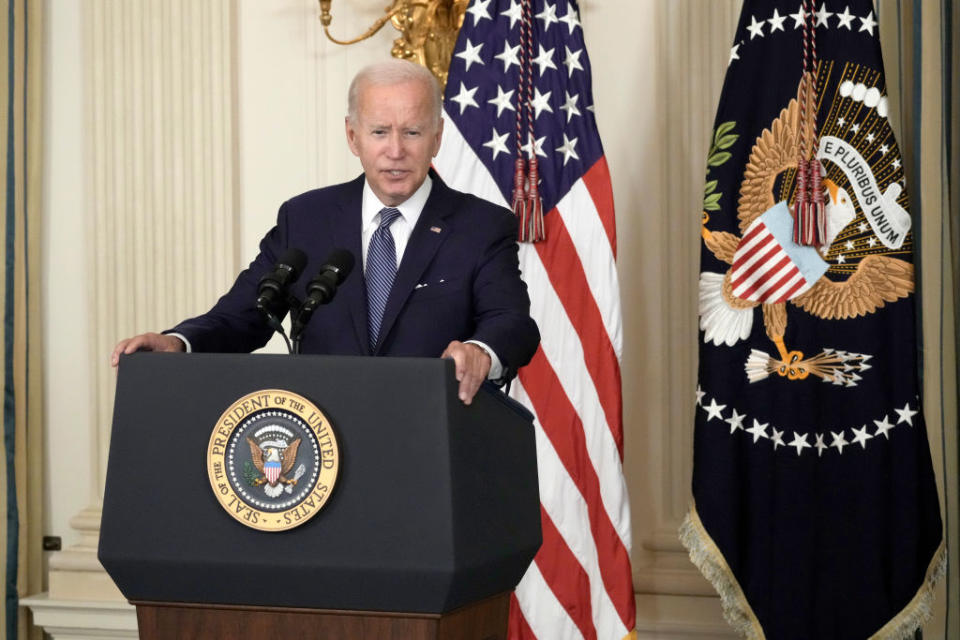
(161, 236)
(158, 202)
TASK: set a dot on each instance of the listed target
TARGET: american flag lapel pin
(435, 229)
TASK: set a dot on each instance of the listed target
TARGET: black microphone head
(271, 290)
(341, 262)
(295, 260)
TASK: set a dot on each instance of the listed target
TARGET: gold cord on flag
(526, 201)
(809, 210)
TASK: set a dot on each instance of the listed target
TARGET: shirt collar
(410, 209)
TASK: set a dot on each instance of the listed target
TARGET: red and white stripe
(273, 473)
(762, 269)
(580, 584)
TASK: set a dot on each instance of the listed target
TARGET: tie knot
(387, 216)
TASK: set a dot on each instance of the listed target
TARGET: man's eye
(378, 132)
(413, 133)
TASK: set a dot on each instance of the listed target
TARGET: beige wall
(658, 68)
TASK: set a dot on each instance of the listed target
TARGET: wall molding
(68, 619)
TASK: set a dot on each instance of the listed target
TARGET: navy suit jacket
(459, 279)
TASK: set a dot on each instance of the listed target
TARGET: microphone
(321, 290)
(272, 288)
(324, 285)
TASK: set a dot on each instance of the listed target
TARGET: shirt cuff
(496, 368)
(183, 339)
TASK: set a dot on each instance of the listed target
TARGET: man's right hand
(146, 342)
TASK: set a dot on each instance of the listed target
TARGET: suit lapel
(422, 246)
(346, 233)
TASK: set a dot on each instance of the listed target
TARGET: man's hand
(146, 342)
(472, 366)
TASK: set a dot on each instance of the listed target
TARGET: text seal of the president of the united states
(272, 460)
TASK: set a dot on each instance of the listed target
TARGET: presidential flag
(519, 86)
(815, 508)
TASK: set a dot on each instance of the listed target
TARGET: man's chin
(394, 194)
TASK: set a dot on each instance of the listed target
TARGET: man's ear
(439, 139)
(351, 135)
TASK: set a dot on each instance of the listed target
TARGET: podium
(433, 519)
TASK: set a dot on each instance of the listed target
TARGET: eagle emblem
(855, 272)
(273, 451)
(273, 460)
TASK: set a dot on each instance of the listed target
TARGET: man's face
(395, 136)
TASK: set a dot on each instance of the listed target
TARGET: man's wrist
(182, 338)
(496, 367)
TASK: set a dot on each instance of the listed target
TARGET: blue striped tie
(381, 270)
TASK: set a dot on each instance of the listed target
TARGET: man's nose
(395, 145)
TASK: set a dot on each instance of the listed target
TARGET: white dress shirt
(402, 227)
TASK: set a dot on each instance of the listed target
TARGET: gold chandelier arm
(428, 31)
(326, 18)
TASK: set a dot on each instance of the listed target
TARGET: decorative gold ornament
(428, 30)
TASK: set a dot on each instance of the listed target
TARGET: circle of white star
(800, 441)
(776, 22)
(755, 28)
(822, 18)
(758, 430)
(845, 18)
(839, 441)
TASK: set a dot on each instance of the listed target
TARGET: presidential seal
(272, 460)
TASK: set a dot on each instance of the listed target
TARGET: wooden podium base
(484, 620)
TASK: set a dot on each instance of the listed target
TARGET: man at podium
(440, 268)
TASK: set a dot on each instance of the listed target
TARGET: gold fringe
(918, 611)
(631, 636)
(739, 615)
(708, 559)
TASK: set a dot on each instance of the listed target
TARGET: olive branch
(250, 474)
(722, 139)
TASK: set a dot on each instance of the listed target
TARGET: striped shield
(768, 266)
(271, 469)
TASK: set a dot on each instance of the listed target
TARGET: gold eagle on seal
(876, 280)
(272, 464)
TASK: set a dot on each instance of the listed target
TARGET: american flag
(579, 584)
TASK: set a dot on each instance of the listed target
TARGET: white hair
(389, 73)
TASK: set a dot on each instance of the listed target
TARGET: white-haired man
(441, 274)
